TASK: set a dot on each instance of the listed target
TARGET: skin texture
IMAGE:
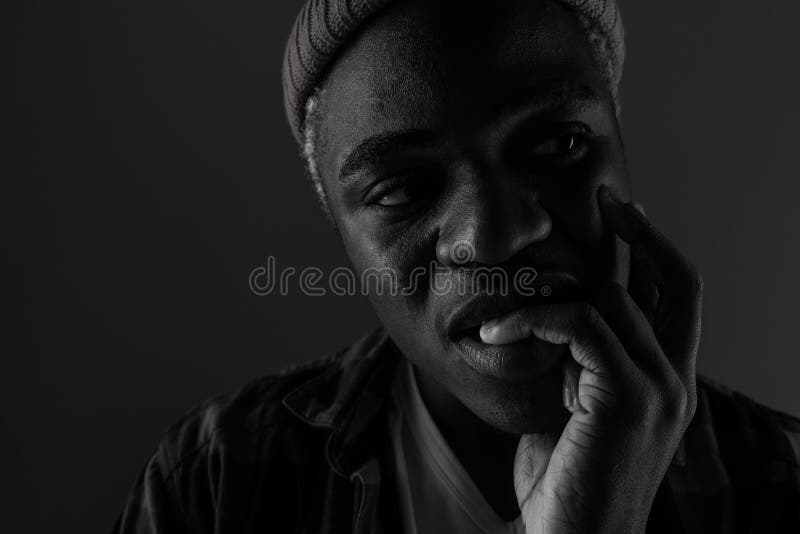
(510, 137)
(637, 388)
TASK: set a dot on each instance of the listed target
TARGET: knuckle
(518, 322)
(677, 404)
(524, 321)
(588, 315)
(609, 292)
(691, 406)
(646, 408)
(644, 401)
(616, 290)
(608, 297)
(695, 281)
(661, 408)
(691, 409)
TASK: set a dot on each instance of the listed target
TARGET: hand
(636, 389)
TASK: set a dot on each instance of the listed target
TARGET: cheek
(396, 263)
(370, 246)
(408, 318)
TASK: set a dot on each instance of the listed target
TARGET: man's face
(463, 138)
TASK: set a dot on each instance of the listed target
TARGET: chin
(519, 408)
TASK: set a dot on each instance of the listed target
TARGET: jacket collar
(347, 397)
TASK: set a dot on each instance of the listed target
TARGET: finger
(616, 261)
(592, 343)
(679, 283)
(638, 278)
(633, 330)
(641, 283)
(530, 464)
(570, 387)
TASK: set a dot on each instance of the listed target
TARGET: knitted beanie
(323, 27)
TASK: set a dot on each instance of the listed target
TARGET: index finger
(679, 283)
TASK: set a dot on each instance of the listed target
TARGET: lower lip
(514, 363)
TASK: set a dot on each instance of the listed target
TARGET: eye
(403, 191)
(568, 145)
(398, 196)
(554, 148)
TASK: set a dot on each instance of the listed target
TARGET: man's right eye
(400, 193)
(397, 197)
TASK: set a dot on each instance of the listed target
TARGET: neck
(486, 453)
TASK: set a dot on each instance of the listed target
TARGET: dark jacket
(307, 451)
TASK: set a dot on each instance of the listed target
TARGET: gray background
(152, 170)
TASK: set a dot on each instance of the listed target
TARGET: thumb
(530, 464)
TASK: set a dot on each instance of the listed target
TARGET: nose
(489, 221)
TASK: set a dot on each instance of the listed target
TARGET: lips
(520, 362)
(467, 319)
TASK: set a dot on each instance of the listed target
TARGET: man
(450, 142)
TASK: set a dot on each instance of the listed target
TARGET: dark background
(153, 169)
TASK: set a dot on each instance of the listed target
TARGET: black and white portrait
(404, 266)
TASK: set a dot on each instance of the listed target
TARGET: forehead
(423, 65)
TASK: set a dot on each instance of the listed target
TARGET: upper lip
(489, 306)
(481, 309)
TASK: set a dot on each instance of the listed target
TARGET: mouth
(515, 363)
(467, 319)
(518, 362)
(472, 333)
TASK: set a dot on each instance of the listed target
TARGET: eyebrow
(547, 95)
(373, 149)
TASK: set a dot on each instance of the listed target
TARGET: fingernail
(488, 330)
(571, 381)
(639, 208)
(567, 398)
(626, 218)
(606, 192)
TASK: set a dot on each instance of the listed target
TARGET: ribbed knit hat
(323, 27)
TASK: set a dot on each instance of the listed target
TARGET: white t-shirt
(436, 493)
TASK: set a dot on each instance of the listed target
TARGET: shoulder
(260, 419)
(242, 419)
(747, 452)
(737, 466)
(235, 448)
(240, 416)
(743, 426)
